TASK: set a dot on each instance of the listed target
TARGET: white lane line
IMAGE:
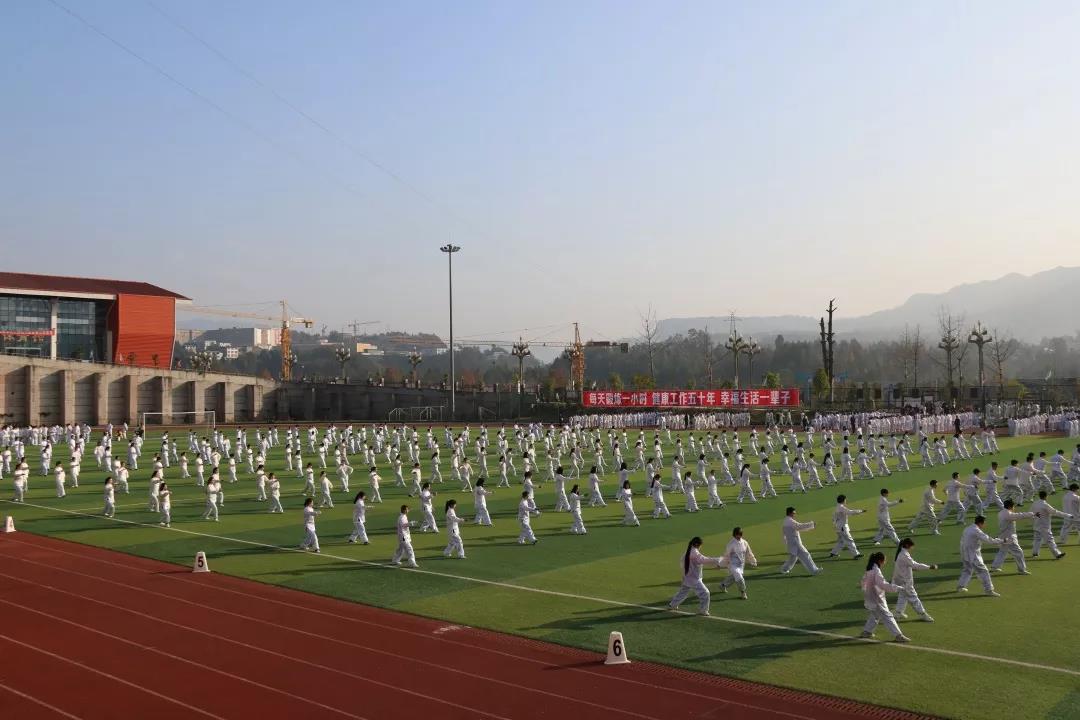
(158, 651)
(107, 676)
(601, 601)
(42, 703)
(190, 629)
(442, 668)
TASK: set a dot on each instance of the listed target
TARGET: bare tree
(1003, 348)
(708, 358)
(648, 337)
(910, 352)
(949, 325)
(961, 354)
(828, 345)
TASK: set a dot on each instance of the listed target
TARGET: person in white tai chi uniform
(1044, 533)
(738, 555)
(885, 526)
(692, 563)
(843, 533)
(1010, 545)
(1071, 504)
(904, 577)
(626, 497)
(311, 539)
(926, 511)
(874, 587)
(525, 518)
(454, 545)
(404, 552)
(797, 552)
(971, 559)
(359, 533)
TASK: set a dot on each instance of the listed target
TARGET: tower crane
(356, 325)
(285, 318)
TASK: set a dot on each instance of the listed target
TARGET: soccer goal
(203, 419)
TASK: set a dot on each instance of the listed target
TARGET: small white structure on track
(9, 524)
(200, 563)
(616, 650)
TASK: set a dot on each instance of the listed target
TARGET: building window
(80, 329)
(24, 325)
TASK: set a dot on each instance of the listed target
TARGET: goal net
(203, 419)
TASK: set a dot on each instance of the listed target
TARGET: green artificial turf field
(1017, 653)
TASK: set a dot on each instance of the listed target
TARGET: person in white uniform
(427, 508)
(1071, 505)
(874, 587)
(626, 497)
(692, 564)
(797, 552)
(971, 559)
(454, 545)
(359, 533)
(926, 511)
(61, 478)
(480, 494)
(738, 555)
(311, 538)
(275, 493)
(884, 518)
(577, 524)
(1010, 545)
(1044, 533)
(165, 496)
(904, 577)
(525, 518)
(110, 498)
(404, 552)
(656, 490)
(841, 513)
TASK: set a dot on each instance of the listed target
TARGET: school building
(90, 319)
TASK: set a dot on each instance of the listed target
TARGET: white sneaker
(901, 639)
(927, 618)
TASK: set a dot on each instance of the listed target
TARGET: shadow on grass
(589, 619)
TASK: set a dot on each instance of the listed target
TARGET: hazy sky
(590, 157)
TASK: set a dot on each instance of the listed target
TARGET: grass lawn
(982, 656)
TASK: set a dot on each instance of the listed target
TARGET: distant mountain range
(1031, 307)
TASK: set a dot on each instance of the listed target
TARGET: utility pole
(450, 249)
(979, 337)
(521, 351)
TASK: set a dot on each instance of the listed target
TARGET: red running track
(94, 634)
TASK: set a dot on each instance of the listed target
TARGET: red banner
(26, 333)
(786, 397)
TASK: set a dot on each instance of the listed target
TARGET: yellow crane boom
(284, 318)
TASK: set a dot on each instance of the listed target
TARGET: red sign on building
(690, 398)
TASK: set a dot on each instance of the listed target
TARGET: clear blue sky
(590, 157)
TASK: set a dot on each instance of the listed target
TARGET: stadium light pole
(750, 349)
(450, 249)
(735, 344)
(981, 336)
(521, 351)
